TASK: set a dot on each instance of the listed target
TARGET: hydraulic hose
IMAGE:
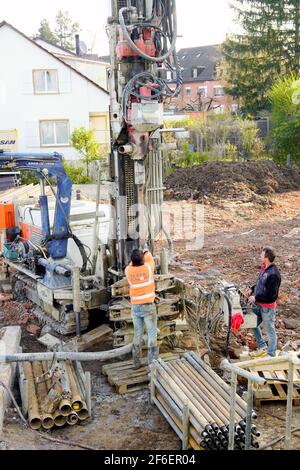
(82, 252)
(136, 49)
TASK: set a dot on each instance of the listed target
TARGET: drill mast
(142, 36)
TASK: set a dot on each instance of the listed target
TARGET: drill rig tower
(142, 36)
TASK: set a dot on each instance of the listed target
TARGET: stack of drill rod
(52, 401)
(189, 383)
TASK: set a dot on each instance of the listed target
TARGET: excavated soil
(234, 235)
(251, 181)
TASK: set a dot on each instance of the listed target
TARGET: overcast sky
(201, 22)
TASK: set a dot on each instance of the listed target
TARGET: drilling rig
(142, 38)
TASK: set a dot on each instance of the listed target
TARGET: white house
(43, 99)
(89, 65)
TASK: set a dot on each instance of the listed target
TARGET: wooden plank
(278, 386)
(128, 364)
(88, 340)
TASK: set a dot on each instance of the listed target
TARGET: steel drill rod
(207, 406)
(210, 394)
(41, 392)
(194, 401)
(76, 400)
(173, 382)
(189, 386)
(162, 380)
(176, 411)
(202, 367)
(219, 385)
(34, 416)
(218, 432)
(193, 437)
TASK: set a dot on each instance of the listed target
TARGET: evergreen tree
(46, 33)
(267, 47)
(65, 30)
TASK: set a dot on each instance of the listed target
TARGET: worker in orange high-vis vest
(140, 276)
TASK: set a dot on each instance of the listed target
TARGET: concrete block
(10, 338)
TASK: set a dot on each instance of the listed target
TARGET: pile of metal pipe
(196, 403)
(53, 401)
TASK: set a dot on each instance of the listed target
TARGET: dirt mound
(250, 181)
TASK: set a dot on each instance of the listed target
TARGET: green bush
(77, 173)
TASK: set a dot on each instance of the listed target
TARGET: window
(202, 91)
(45, 81)
(169, 75)
(197, 71)
(54, 133)
(219, 91)
(187, 92)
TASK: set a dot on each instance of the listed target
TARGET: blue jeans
(267, 317)
(145, 315)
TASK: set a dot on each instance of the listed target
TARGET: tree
(285, 102)
(46, 33)
(268, 46)
(65, 30)
(84, 142)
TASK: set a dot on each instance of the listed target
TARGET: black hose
(82, 252)
(229, 326)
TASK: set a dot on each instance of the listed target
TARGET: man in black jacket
(263, 297)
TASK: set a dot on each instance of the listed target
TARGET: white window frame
(197, 69)
(219, 87)
(54, 121)
(46, 91)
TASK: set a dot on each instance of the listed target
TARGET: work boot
(137, 355)
(153, 354)
(259, 353)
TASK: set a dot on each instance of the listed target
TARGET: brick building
(201, 90)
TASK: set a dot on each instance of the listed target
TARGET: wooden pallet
(125, 379)
(277, 389)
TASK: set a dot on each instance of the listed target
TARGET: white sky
(201, 22)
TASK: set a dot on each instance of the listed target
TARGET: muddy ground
(234, 235)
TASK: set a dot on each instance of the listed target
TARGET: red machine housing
(145, 43)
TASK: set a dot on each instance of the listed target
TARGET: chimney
(77, 42)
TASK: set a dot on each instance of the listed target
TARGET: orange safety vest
(141, 282)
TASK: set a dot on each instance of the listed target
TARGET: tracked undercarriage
(54, 307)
